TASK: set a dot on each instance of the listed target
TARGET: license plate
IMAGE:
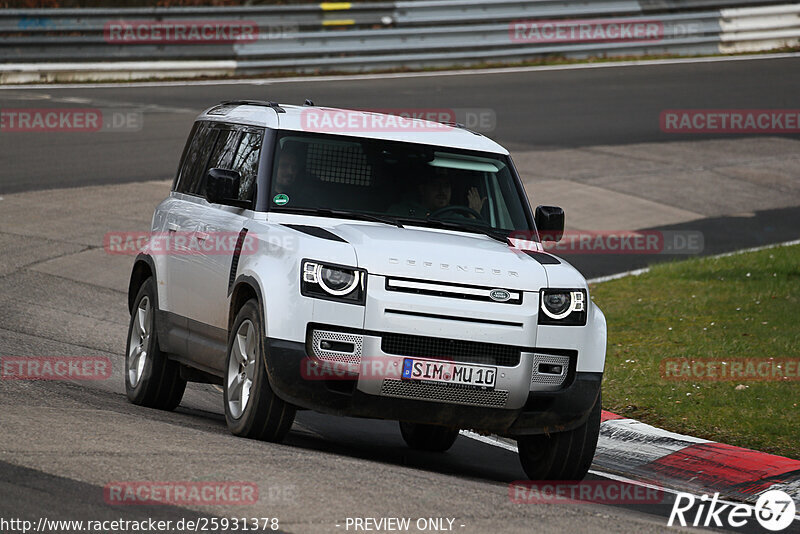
(449, 372)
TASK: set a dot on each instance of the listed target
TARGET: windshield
(405, 182)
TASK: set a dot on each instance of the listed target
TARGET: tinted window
(246, 162)
(195, 158)
(184, 154)
(220, 157)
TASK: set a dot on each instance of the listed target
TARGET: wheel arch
(143, 268)
(245, 288)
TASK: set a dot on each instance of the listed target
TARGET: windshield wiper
(451, 225)
(344, 214)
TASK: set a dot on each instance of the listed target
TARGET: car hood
(442, 255)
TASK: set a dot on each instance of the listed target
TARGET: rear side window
(196, 158)
(196, 126)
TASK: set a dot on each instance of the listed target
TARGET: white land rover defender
(380, 272)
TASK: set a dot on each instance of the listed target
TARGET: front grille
(450, 349)
(448, 393)
(454, 291)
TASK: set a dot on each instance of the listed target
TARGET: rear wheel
(150, 378)
(561, 455)
(432, 438)
(252, 409)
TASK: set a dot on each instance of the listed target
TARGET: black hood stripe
(316, 232)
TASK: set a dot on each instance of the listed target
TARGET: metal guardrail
(93, 19)
(74, 44)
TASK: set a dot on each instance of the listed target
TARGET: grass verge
(741, 306)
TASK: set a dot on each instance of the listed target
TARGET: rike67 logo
(774, 510)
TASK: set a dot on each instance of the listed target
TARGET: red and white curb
(686, 463)
(631, 451)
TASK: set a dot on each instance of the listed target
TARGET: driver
(434, 195)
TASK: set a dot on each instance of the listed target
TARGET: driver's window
(245, 161)
(220, 157)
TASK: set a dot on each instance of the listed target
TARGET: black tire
(265, 416)
(561, 455)
(150, 378)
(433, 438)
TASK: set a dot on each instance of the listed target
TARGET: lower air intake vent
(449, 393)
(337, 346)
(550, 369)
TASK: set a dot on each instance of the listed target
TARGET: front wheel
(252, 409)
(150, 378)
(561, 455)
(432, 438)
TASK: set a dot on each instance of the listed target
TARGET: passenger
(288, 179)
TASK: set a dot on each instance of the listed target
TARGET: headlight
(333, 282)
(563, 307)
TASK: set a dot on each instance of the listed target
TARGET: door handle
(202, 232)
(172, 227)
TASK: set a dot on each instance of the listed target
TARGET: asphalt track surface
(62, 442)
(534, 110)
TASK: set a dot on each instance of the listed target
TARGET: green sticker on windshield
(281, 199)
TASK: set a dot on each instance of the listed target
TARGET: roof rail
(460, 127)
(274, 105)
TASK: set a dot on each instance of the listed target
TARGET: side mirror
(222, 187)
(549, 222)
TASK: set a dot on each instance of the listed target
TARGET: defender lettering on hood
(448, 267)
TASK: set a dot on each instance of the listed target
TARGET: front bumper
(524, 411)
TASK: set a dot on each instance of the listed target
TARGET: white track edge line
(458, 72)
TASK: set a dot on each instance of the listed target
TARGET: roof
(354, 123)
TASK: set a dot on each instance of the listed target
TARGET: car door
(173, 331)
(218, 231)
(223, 226)
(187, 225)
